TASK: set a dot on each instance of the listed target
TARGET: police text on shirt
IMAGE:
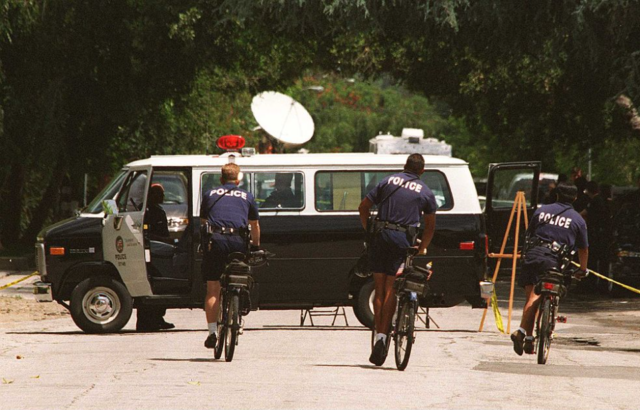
(553, 220)
(221, 191)
(413, 186)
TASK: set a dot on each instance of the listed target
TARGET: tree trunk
(12, 200)
(49, 199)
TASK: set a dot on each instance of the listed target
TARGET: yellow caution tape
(611, 280)
(496, 312)
(18, 281)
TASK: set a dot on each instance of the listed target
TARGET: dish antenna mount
(284, 119)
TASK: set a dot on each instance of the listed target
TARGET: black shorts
(537, 261)
(215, 261)
(388, 252)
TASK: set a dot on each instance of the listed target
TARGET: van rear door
(503, 182)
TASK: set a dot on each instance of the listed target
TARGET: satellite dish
(283, 118)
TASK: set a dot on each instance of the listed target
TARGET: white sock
(521, 330)
(381, 336)
(213, 328)
(529, 338)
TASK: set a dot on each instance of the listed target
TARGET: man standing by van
(402, 200)
(227, 211)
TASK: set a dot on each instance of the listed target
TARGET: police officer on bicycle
(555, 229)
(226, 213)
(402, 200)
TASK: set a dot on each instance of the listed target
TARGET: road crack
(81, 395)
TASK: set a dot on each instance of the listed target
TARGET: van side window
(211, 180)
(280, 190)
(176, 199)
(132, 194)
(344, 190)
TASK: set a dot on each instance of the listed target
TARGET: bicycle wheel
(545, 327)
(217, 353)
(232, 326)
(404, 333)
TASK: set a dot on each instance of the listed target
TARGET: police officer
(151, 318)
(228, 211)
(402, 200)
(551, 225)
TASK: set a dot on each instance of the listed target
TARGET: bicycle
(409, 285)
(551, 287)
(235, 299)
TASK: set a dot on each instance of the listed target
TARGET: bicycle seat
(236, 257)
(553, 276)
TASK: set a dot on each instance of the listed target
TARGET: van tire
(101, 305)
(363, 308)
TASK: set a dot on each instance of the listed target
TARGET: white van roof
(296, 160)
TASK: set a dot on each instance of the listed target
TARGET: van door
(122, 234)
(503, 182)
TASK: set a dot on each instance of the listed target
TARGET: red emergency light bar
(230, 142)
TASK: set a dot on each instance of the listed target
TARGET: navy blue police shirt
(234, 210)
(561, 223)
(407, 204)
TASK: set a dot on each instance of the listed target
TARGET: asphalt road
(594, 364)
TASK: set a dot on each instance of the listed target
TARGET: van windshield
(109, 192)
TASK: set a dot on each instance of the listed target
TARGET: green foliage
(87, 85)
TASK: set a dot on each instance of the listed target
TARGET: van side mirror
(110, 207)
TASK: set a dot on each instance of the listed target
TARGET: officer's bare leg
(389, 305)
(530, 309)
(379, 280)
(212, 301)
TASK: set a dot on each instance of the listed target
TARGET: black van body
(101, 264)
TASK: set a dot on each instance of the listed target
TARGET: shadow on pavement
(121, 333)
(596, 372)
(194, 360)
(358, 366)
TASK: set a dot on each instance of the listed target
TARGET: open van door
(503, 182)
(122, 234)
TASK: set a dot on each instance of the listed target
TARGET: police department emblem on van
(119, 244)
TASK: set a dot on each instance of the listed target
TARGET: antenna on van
(284, 119)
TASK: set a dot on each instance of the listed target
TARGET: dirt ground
(19, 309)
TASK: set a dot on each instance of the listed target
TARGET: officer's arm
(427, 234)
(583, 257)
(255, 233)
(365, 211)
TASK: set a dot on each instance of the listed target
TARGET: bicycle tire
(544, 330)
(217, 352)
(232, 327)
(404, 333)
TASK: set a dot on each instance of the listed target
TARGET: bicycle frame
(237, 282)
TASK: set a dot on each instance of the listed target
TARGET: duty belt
(556, 247)
(227, 231)
(395, 227)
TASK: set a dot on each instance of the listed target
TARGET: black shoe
(379, 353)
(529, 347)
(153, 327)
(165, 325)
(210, 343)
(517, 338)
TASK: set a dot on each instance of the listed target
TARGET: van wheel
(101, 305)
(363, 308)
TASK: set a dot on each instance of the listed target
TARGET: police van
(102, 264)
